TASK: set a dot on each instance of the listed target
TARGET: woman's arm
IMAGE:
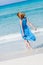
(21, 28)
(30, 24)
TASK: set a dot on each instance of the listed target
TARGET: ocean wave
(33, 11)
(17, 36)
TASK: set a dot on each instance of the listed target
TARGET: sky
(4, 2)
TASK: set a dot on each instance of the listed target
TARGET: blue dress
(28, 35)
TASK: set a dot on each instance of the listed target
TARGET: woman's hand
(35, 29)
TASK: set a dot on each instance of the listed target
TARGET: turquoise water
(9, 22)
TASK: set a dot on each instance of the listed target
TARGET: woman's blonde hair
(21, 16)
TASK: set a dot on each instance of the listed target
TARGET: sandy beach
(31, 57)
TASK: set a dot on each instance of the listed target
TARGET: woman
(25, 30)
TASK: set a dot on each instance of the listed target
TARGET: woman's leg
(27, 44)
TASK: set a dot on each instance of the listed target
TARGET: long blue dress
(28, 35)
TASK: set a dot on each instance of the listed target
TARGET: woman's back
(24, 23)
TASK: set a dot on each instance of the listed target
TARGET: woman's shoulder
(24, 18)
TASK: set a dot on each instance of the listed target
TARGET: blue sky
(3, 2)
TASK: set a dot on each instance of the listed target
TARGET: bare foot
(29, 47)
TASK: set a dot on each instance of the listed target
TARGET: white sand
(7, 55)
(27, 60)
